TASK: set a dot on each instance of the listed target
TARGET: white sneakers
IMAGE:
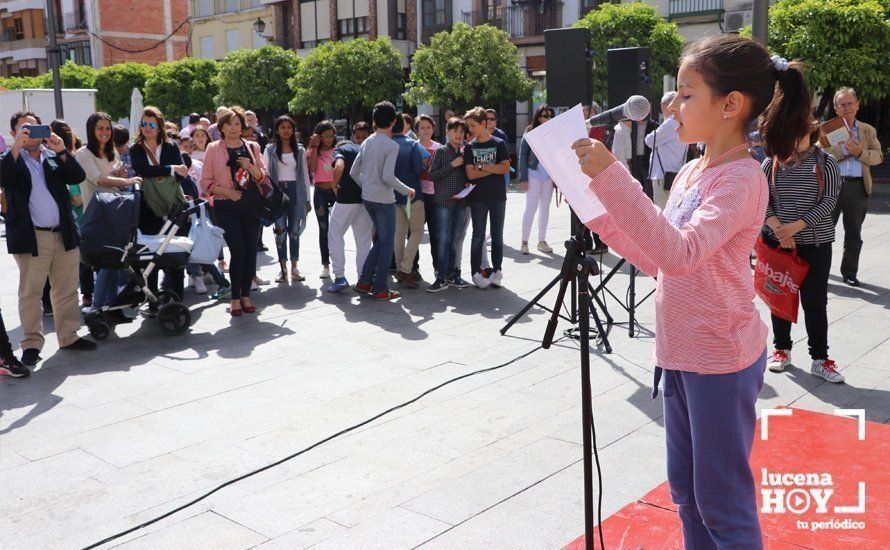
(823, 368)
(325, 273)
(495, 280)
(780, 361)
(198, 283)
(480, 281)
(544, 247)
(827, 369)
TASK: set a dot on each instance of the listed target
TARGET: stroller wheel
(174, 318)
(99, 329)
(167, 296)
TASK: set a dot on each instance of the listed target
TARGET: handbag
(207, 239)
(777, 279)
(161, 193)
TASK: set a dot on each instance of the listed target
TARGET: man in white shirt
(668, 154)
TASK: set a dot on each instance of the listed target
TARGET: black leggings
(322, 201)
(813, 298)
(242, 227)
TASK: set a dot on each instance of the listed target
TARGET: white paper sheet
(463, 194)
(552, 144)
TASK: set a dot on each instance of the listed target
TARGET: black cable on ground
(307, 449)
(599, 476)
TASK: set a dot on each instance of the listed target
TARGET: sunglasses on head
(152, 125)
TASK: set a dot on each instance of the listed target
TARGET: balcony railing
(209, 8)
(75, 21)
(518, 21)
(687, 8)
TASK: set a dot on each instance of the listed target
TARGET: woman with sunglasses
(537, 184)
(154, 159)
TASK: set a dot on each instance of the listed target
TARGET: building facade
(304, 24)
(23, 38)
(222, 26)
(147, 31)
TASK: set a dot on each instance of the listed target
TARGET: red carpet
(826, 446)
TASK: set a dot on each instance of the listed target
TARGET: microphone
(636, 108)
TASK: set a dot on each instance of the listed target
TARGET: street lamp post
(53, 54)
(259, 27)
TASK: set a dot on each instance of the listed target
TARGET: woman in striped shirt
(804, 186)
(710, 339)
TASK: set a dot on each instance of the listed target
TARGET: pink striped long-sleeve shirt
(699, 249)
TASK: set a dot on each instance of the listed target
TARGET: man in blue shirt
(409, 167)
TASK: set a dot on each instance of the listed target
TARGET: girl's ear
(735, 105)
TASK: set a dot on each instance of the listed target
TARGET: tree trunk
(825, 104)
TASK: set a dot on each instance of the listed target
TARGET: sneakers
(496, 279)
(780, 361)
(200, 287)
(386, 295)
(295, 275)
(325, 273)
(222, 292)
(480, 281)
(458, 282)
(31, 357)
(827, 369)
(437, 286)
(544, 247)
(364, 288)
(12, 367)
(81, 344)
(339, 284)
(524, 248)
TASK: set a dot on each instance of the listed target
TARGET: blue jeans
(481, 212)
(449, 223)
(108, 283)
(376, 267)
(709, 423)
(290, 225)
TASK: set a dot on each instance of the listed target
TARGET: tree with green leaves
(72, 75)
(629, 26)
(181, 87)
(840, 42)
(467, 66)
(115, 85)
(20, 82)
(349, 77)
(257, 79)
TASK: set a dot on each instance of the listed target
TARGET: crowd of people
(394, 180)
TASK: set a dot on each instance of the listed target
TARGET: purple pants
(709, 422)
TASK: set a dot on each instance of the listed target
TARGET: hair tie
(780, 63)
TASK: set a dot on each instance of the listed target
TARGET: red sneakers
(364, 288)
(386, 295)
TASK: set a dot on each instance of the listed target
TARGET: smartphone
(38, 131)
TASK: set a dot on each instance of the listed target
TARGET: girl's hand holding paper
(552, 143)
(593, 156)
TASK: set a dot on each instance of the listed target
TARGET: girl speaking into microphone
(710, 340)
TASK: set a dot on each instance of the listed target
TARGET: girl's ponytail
(789, 116)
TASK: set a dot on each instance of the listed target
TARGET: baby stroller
(110, 239)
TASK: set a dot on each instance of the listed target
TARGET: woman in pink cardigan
(233, 174)
(710, 340)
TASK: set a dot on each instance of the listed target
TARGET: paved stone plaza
(95, 443)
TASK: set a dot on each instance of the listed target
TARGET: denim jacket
(527, 159)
